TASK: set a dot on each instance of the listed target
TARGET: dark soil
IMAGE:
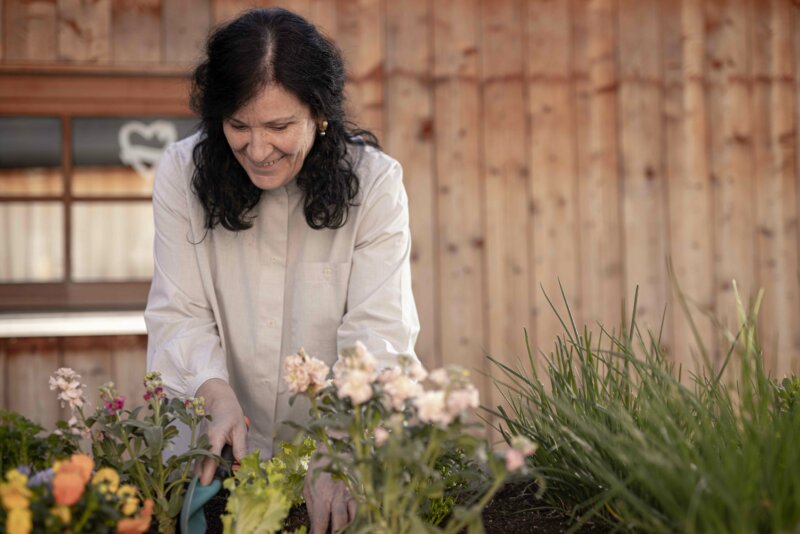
(511, 511)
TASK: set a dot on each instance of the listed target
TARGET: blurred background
(587, 141)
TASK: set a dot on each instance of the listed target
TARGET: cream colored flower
(461, 400)
(381, 435)
(431, 407)
(400, 389)
(304, 373)
(356, 385)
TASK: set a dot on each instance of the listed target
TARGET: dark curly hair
(273, 46)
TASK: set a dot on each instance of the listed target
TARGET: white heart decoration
(144, 158)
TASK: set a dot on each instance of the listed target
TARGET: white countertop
(72, 324)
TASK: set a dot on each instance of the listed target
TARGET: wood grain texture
(29, 365)
(642, 163)
(91, 359)
(596, 93)
(3, 374)
(457, 137)
(30, 30)
(409, 139)
(84, 31)
(505, 181)
(691, 244)
(136, 31)
(775, 188)
(553, 173)
(728, 64)
(360, 35)
(128, 367)
(185, 24)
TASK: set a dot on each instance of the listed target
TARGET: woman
(278, 225)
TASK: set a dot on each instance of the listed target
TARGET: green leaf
(154, 437)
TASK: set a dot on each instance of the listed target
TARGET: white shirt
(233, 305)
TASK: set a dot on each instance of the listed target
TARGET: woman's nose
(259, 146)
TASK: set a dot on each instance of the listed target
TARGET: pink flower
(68, 382)
(381, 435)
(431, 408)
(304, 373)
(154, 386)
(111, 400)
(440, 377)
(400, 389)
(461, 400)
(355, 384)
(515, 460)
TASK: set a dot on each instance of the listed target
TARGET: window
(76, 176)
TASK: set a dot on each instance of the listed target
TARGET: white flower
(355, 358)
(440, 377)
(68, 382)
(355, 384)
(523, 445)
(461, 400)
(381, 435)
(304, 373)
(400, 389)
(431, 407)
(388, 374)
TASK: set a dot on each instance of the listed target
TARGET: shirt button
(327, 272)
(274, 259)
(271, 323)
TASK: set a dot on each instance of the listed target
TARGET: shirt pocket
(319, 301)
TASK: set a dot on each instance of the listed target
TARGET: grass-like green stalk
(624, 440)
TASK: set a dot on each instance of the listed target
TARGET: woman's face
(271, 136)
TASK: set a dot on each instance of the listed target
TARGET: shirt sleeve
(381, 312)
(183, 337)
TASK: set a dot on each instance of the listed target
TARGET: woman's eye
(239, 127)
(280, 128)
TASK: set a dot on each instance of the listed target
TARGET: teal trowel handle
(193, 520)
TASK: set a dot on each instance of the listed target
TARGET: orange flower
(68, 487)
(80, 464)
(138, 524)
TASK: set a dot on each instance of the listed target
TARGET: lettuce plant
(393, 442)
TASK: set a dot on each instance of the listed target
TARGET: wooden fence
(589, 141)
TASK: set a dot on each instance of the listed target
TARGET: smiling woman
(279, 225)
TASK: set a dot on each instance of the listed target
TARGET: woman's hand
(226, 426)
(328, 501)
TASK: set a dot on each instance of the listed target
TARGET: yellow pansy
(107, 480)
(19, 522)
(130, 504)
(14, 496)
(16, 478)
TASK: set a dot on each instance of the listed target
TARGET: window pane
(118, 156)
(31, 242)
(112, 241)
(30, 156)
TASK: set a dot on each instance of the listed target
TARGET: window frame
(66, 93)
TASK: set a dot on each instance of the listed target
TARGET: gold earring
(323, 126)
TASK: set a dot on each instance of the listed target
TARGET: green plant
(398, 447)
(263, 492)
(21, 443)
(134, 442)
(624, 440)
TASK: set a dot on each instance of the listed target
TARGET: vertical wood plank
(3, 373)
(595, 72)
(457, 138)
(555, 252)
(776, 210)
(136, 31)
(505, 181)
(128, 367)
(732, 165)
(90, 357)
(688, 179)
(224, 10)
(641, 143)
(361, 37)
(409, 138)
(30, 364)
(185, 25)
(30, 30)
(2, 31)
(84, 28)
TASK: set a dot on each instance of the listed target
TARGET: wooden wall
(583, 140)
